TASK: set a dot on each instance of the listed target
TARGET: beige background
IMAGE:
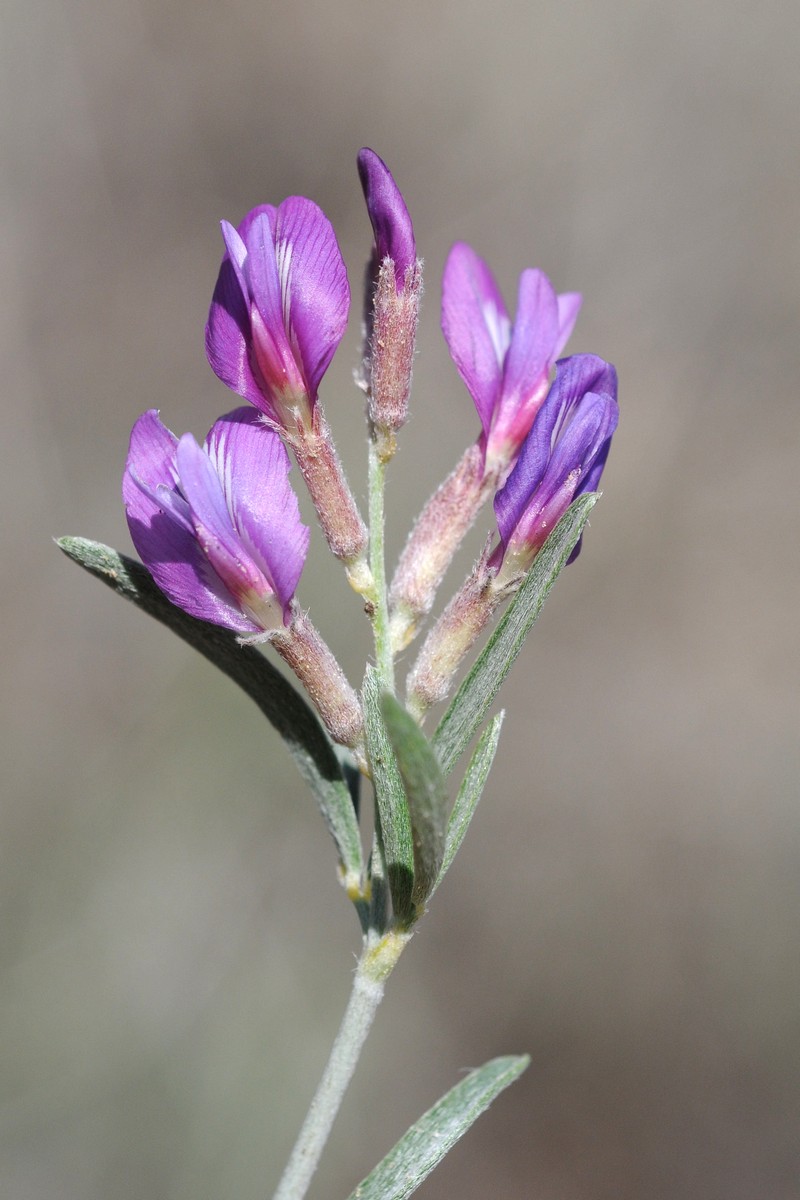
(176, 951)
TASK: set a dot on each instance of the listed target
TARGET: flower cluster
(218, 525)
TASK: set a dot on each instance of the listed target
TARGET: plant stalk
(384, 659)
(376, 963)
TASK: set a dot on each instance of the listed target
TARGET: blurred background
(176, 951)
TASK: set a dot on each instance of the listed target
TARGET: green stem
(384, 660)
(375, 965)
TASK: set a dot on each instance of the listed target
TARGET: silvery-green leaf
(281, 704)
(426, 793)
(425, 1144)
(471, 702)
(378, 916)
(470, 792)
(393, 817)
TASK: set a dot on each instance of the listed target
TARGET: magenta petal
(476, 327)
(314, 287)
(253, 466)
(391, 223)
(531, 354)
(161, 534)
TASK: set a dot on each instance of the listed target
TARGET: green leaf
(281, 704)
(470, 792)
(426, 793)
(425, 1144)
(393, 817)
(471, 702)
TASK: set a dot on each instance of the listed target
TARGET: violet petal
(228, 332)
(476, 327)
(391, 223)
(213, 523)
(253, 466)
(160, 532)
(569, 467)
(533, 337)
(575, 377)
(314, 287)
(279, 362)
(569, 305)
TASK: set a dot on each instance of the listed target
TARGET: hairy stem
(384, 659)
(375, 965)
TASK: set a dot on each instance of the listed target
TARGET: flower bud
(391, 353)
(394, 287)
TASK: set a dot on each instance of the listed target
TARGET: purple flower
(562, 457)
(218, 526)
(394, 233)
(506, 368)
(279, 309)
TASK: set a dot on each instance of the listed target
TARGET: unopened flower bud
(391, 352)
(394, 287)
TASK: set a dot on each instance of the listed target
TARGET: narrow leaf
(425, 1144)
(470, 792)
(378, 887)
(280, 702)
(471, 702)
(393, 817)
(426, 793)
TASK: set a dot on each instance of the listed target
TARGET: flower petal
(533, 338)
(228, 333)
(279, 364)
(569, 305)
(261, 210)
(566, 474)
(213, 523)
(526, 374)
(314, 287)
(575, 377)
(476, 327)
(391, 223)
(162, 535)
(253, 467)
